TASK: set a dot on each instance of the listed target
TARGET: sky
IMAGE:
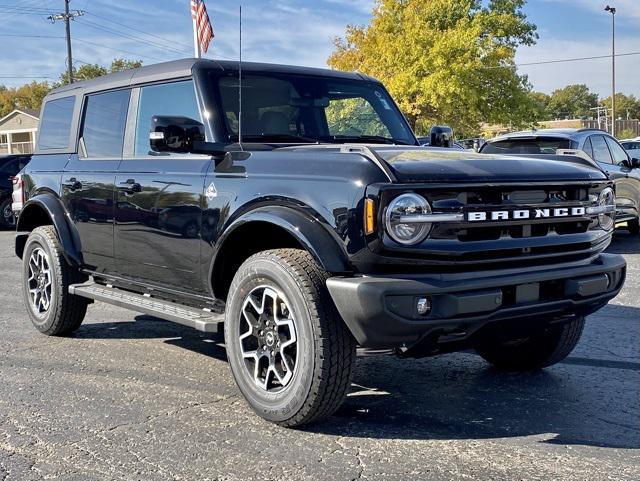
(297, 32)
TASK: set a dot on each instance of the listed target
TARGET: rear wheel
(540, 350)
(46, 279)
(289, 351)
(7, 219)
(634, 226)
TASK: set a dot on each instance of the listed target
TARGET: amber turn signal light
(369, 217)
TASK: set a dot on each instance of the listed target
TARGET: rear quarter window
(55, 127)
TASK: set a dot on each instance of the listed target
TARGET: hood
(446, 165)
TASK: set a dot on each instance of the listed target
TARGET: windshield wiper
(378, 139)
(279, 138)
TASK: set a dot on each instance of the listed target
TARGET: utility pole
(67, 17)
(612, 10)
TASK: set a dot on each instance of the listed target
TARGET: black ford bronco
(295, 205)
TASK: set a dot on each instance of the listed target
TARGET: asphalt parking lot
(134, 398)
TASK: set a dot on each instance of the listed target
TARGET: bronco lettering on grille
(522, 214)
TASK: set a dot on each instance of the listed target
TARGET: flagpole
(196, 44)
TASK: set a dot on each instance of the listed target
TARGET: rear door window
(105, 116)
(618, 153)
(55, 127)
(175, 99)
(600, 150)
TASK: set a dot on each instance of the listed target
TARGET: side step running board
(199, 319)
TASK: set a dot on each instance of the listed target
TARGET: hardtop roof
(566, 133)
(182, 68)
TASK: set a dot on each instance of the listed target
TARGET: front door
(627, 188)
(159, 199)
(88, 179)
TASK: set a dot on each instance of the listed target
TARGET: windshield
(538, 145)
(281, 108)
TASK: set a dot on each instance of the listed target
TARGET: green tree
(540, 102)
(626, 134)
(572, 101)
(445, 61)
(624, 104)
(94, 70)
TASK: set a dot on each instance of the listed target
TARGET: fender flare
(67, 232)
(317, 238)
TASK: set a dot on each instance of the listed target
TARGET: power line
(26, 77)
(131, 37)
(84, 41)
(577, 59)
(163, 39)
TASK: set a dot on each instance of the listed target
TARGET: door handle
(72, 184)
(130, 186)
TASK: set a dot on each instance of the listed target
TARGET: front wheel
(289, 351)
(540, 350)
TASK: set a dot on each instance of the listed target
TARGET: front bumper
(380, 311)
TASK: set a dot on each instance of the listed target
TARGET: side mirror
(635, 163)
(174, 134)
(182, 135)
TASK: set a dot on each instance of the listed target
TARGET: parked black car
(309, 231)
(10, 165)
(598, 146)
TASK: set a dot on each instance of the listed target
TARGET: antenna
(240, 86)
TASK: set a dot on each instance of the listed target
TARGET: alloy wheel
(268, 340)
(40, 281)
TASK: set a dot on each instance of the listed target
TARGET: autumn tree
(445, 61)
(28, 96)
(572, 101)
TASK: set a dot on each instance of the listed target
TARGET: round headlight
(404, 205)
(607, 198)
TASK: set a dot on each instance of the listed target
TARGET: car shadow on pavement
(588, 399)
(149, 327)
(585, 400)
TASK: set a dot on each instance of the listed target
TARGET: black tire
(7, 219)
(65, 312)
(633, 226)
(326, 350)
(536, 352)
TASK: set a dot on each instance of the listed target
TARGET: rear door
(89, 177)
(159, 198)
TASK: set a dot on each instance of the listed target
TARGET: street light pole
(612, 10)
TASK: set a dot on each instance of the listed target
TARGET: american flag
(201, 24)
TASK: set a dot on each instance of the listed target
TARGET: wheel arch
(271, 228)
(47, 209)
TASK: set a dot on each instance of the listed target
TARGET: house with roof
(18, 131)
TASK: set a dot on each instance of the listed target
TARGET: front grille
(506, 243)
